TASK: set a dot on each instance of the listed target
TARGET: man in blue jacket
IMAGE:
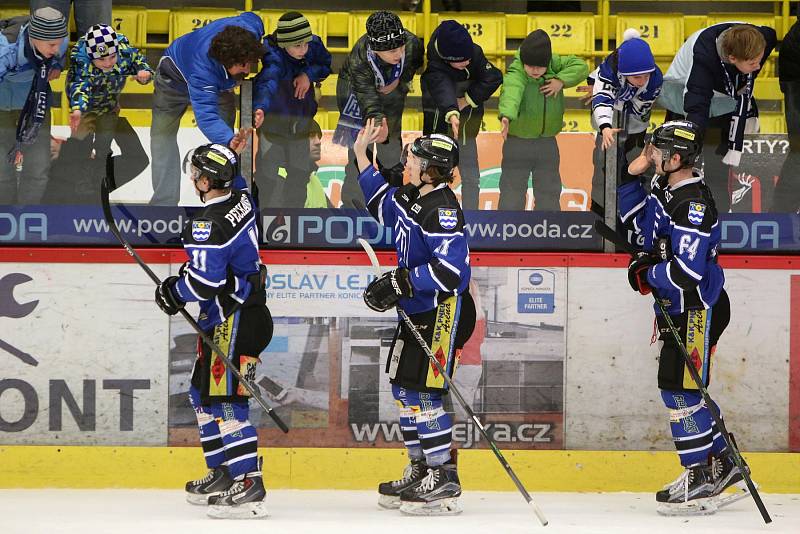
(32, 51)
(200, 68)
(295, 60)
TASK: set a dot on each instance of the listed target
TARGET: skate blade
(198, 499)
(439, 507)
(696, 507)
(389, 502)
(249, 510)
(726, 499)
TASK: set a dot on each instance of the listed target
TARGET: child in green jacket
(532, 113)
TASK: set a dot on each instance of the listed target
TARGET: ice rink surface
(352, 512)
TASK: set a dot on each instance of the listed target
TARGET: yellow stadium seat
(60, 108)
(333, 119)
(329, 85)
(657, 117)
(487, 29)
(183, 21)
(412, 121)
(759, 19)
(132, 22)
(357, 24)
(15, 11)
(663, 31)
(137, 117)
(767, 89)
(317, 19)
(322, 119)
(772, 123)
(577, 120)
(570, 33)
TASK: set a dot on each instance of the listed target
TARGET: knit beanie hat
(293, 29)
(101, 41)
(453, 42)
(535, 49)
(634, 55)
(47, 24)
(385, 31)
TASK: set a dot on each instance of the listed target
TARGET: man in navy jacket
(200, 68)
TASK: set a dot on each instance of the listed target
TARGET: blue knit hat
(635, 58)
(453, 42)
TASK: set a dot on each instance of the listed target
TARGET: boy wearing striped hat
(295, 59)
(100, 64)
(32, 53)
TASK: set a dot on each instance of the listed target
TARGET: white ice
(355, 512)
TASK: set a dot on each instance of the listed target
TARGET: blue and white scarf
(351, 119)
(33, 113)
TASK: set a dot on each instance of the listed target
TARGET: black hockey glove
(384, 292)
(166, 298)
(637, 271)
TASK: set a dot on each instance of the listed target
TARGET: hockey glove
(383, 293)
(637, 271)
(165, 296)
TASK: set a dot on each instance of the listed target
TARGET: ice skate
(215, 482)
(390, 491)
(692, 493)
(436, 494)
(243, 500)
(727, 474)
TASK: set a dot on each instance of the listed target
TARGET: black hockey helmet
(434, 150)
(385, 31)
(216, 162)
(678, 137)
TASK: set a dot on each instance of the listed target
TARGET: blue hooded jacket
(274, 90)
(205, 77)
(16, 72)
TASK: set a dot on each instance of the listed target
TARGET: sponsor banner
(76, 368)
(325, 366)
(337, 229)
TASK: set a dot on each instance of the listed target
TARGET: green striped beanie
(293, 29)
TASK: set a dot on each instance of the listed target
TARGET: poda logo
(536, 279)
(9, 307)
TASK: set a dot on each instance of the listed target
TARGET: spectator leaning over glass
(32, 53)
(100, 64)
(201, 68)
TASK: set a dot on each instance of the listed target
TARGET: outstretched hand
(239, 141)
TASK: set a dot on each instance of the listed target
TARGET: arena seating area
(589, 35)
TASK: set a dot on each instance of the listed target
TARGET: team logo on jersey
(696, 213)
(448, 218)
(201, 230)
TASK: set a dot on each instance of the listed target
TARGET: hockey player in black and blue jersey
(431, 285)
(678, 264)
(225, 275)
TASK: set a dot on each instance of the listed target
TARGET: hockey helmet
(216, 162)
(434, 150)
(678, 137)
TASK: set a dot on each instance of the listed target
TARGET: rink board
(109, 377)
(160, 467)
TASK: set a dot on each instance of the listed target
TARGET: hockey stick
(112, 225)
(410, 325)
(610, 235)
